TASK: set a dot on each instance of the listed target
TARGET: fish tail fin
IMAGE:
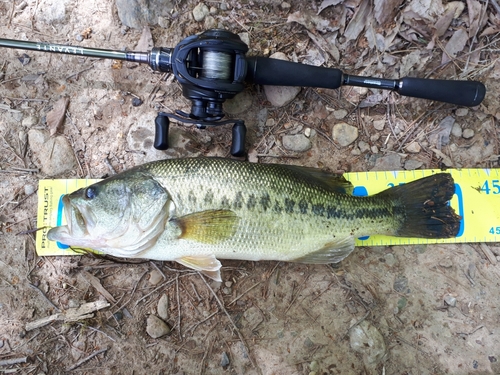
(423, 206)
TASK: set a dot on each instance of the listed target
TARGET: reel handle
(161, 132)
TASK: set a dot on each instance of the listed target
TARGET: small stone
(461, 112)
(450, 300)
(29, 121)
(223, 6)
(375, 137)
(401, 284)
(155, 277)
(456, 130)
(285, 5)
(118, 315)
(339, 114)
(200, 12)
(413, 148)
(363, 146)
(224, 362)
(24, 59)
(314, 366)
(54, 154)
(446, 263)
(355, 151)
(374, 149)
(391, 162)
(136, 102)
(156, 328)
(73, 303)
(344, 134)
(468, 133)
(229, 284)
(79, 37)
(162, 307)
(29, 189)
(379, 124)
(412, 164)
(307, 132)
(210, 22)
(390, 260)
(297, 142)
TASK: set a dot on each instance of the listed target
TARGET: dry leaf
(312, 22)
(475, 11)
(385, 10)
(325, 46)
(429, 10)
(55, 117)
(455, 45)
(326, 3)
(145, 43)
(359, 20)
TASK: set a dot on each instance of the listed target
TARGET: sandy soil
(266, 317)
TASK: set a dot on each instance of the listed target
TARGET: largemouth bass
(196, 211)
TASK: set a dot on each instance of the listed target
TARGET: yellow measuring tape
(476, 200)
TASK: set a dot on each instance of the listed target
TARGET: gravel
(344, 134)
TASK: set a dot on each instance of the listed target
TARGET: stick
(486, 250)
(13, 361)
(82, 361)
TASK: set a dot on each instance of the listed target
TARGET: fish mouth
(78, 222)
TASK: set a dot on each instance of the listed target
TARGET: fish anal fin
(212, 226)
(208, 265)
(331, 252)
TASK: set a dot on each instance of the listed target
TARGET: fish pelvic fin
(331, 252)
(423, 206)
(208, 265)
(211, 226)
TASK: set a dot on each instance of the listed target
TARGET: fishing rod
(212, 67)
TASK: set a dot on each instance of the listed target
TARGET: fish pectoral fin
(212, 226)
(208, 265)
(331, 252)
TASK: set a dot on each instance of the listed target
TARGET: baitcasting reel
(211, 67)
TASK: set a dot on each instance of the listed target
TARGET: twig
(86, 359)
(13, 361)
(178, 307)
(240, 336)
(44, 296)
(486, 250)
(245, 292)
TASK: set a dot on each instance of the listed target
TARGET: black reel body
(211, 67)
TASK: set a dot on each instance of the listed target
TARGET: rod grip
(465, 93)
(267, 71)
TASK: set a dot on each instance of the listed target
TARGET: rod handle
(274, 72)
(465, 93)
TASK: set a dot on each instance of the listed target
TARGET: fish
(195, 211)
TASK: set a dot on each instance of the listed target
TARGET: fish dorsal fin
(331, 252)
(208, 265)
(329, 181)
(211, 227)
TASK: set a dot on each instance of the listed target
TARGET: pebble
(461, 112)
(136, 14)
(156, 328)
(374, 149)
(224, 362)
(200, 12)
(285, 5)
(155, 277)
(412, 164)
(413, 148)
(297, 142)
(375, 137)
(52, 12)
(367, 340)
(456, 130)
(468, 133)
(54, 154)
(136, 102)
(280, 96)
(29, 189)
(391, 162)
(344, 134)
(339, 114)
(79, 37)
(379, 124)
(450, 300)
(401, 284)
(162, 307)
(390, 260)
(363, 146)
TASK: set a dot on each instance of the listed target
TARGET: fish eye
(90, 192)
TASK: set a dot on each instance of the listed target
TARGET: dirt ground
(381, 311)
